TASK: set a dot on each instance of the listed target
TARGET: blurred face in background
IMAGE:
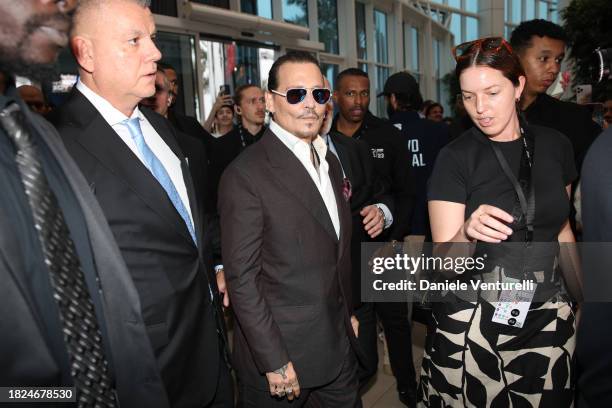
(436, 114)
(160, 101)
(224, 117)
(490, 100)
(252, 108)
(353, 97)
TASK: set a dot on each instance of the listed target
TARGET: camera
(601, 67)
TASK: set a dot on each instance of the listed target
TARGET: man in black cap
(424, 139)
(389, 152)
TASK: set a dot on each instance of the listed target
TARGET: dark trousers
(224, 397)
(396, 324)
(342, 392)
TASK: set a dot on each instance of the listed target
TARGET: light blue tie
(159, 172)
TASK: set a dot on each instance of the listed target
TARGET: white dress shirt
(166, 156)
(301, 150)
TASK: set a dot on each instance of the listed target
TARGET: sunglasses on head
(488, 44)
(297, 95)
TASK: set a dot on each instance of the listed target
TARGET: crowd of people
(129, 232)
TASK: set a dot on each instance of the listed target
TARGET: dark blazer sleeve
(380, 186)
(242, 223)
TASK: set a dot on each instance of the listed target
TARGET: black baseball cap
(400, 82)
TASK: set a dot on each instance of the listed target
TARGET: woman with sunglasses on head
(504, 186)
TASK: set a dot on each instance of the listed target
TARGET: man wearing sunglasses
(286, 241)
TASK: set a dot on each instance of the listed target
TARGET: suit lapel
(294, 177)
(99, 138)
(343, 156)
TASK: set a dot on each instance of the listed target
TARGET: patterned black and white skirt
(471, 361)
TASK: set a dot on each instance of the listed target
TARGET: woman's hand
(486, 224)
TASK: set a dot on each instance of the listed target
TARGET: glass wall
(178, 50)
(296, 12)
(261, 8)
(328, 24)
(455, 27)
(471, 29)
(381, 37)
(331, 72)
(411, 50)
(233, 64)
(382, 56)
(360, 25)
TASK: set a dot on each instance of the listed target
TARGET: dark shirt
(467, 172)
(392, 166)
(424, 139)
(224, 149)
(190, 126)
(572, 120)
(14, 201)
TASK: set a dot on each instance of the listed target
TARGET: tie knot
(133, 125)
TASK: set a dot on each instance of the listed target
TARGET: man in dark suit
(63, 278)
(286, 227)
(132, 161)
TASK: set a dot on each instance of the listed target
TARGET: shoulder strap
(527, 203)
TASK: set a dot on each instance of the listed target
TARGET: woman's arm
(569, 259)
(447, 220)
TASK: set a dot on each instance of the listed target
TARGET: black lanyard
(525, 182)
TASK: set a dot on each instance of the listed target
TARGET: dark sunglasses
(488, 44)
(297, 95)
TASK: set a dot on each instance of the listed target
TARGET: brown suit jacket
(287, 272)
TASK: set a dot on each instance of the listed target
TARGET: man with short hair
(286, 237)
(540, 46)
(70, 315)
(391, 165)
(34, 98)
(131, 159)
(250, 109)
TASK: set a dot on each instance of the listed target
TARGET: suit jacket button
(340, 299)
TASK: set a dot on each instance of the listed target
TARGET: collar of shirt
(110, 114)
(295, 144)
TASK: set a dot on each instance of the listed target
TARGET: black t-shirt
(467, 172)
